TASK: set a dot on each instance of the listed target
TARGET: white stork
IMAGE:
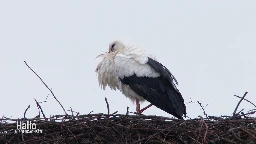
(140, 77)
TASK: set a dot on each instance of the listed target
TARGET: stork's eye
(112, 47)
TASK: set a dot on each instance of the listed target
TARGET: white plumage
(139, 76)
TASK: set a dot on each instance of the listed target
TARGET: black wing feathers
(159, 91)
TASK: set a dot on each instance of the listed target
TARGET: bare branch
(246, 100)
(206, 130)
(202, 108)
(26, 111)
(234, 113)
(106, 100)
(40, 108)
(46, 86)
(127, 110)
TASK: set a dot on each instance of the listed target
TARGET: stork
(140, 77)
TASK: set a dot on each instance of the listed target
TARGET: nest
(116, 128)
(129, 129)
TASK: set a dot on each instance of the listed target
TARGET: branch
(206, 130)
(202, 109)
(26, 111)
(234, 113)
(46, 86)
(246, 100)
(127, 111)
(40, 108)
(106, 100)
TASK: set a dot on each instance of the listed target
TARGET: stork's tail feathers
(177, 106)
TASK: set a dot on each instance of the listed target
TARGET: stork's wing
(156, 86)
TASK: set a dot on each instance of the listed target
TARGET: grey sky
(209, 46)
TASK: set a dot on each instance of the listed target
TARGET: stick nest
(131, 129)
(116, 128)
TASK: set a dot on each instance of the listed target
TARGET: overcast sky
(209, 46)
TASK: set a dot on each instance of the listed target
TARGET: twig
(234, 113)
(127, 111)
(202, 109)
(46, 98)
(244, 115)
(106, 100)
(246, 100)
(22, 136)
(72, 112)
(239, 112)
(46, 86)
(200, 129)
(114, 112)
(40, 108)
(26, 111)
(206, 130)
(250, 112)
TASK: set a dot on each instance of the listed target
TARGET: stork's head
(115, 45)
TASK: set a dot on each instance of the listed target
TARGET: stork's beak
(101, 55)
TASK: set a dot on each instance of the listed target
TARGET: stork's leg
(138, 110)
(138, 106)
(145, 108)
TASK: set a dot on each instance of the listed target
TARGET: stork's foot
(145, 108)
(138, 110)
